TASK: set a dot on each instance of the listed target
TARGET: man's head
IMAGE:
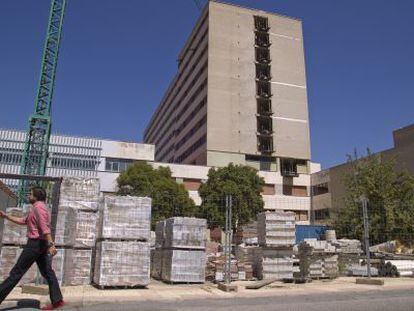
(37, 194)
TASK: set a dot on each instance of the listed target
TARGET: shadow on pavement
(28, 304)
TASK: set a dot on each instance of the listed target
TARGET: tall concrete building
(239, 95)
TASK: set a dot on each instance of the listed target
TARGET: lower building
(75, 156)
(329, 190)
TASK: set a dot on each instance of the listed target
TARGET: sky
(118, 57)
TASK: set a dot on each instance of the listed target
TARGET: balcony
(263, 72)
(261, 23)
(262, 39)
(264, 107)
(262, 55)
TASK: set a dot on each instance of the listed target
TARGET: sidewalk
(157, 291)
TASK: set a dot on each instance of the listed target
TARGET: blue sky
(118, 56)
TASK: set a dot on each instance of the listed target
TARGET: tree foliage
(168, 197)
(242, 183)
(390, 195)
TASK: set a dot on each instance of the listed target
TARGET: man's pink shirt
(37, 221)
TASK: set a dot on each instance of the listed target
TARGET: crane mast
(34, 159)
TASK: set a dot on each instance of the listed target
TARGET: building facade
(328, 188)
(239, 95)
(75, 156)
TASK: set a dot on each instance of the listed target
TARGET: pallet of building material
(185, 232)
(126, 218)
(183, 266)
(396, 268)
(80, 189)
(77, 267)
(8, 258)
(246, 233)
(64, 226)
(156, 263)
(159, 234)
(276, 229)
(346, 246)
(14, 234)
(359, 270)
(122, 264)
(275, 263)
(249, 255)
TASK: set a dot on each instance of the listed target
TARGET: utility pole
(364, 201)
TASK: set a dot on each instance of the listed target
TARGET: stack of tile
(317, 259)
(249, 255)
(276, 236)
(349, 252)
(8, 258)
(246, 233)
(76, 227)
(123, 250)
(12, 241)
(180, 254)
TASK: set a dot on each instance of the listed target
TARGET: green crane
(35, 154)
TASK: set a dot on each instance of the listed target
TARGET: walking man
(39, 248)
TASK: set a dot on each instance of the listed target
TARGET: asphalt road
(402, 300)
(367, 301)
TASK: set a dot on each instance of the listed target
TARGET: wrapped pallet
(275, 264)
(77, 267)
(159, 234)
(156, 263)
(276, 229)
(64, 226)
(122, 264)
(126, 218)
(14, 234)
(80, 189)
(183, 266)
(249, 255)
(8, 258)
(185, 233)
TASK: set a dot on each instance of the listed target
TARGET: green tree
(390, 195)
(168, 197)
(245, 186)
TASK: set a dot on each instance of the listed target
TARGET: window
(297, 191)
(261, 23)
(264, 107)
(263, 89)
(320, 189)
(117, 165)
(263, 72)
(265, 144)
(10, 156)
(262, 39)
(264, 125)
(322, 214)
(262, 55)
(289, 167)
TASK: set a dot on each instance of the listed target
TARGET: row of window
(74, 163)
(193, 113)
(322, 214)
(203, 37)
(173, 121)
(190, 133)
(10, 157)
(320, 189)
(164, 139)
(191, 149)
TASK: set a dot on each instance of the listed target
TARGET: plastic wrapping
(77, 267)
(185, 232)
(276, 229)
(8, 258)
(126, 218)
(14, 234)
(122, 263)
(80, 189)
(186, 266)
(274, 263)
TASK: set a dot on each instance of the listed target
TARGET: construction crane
(35, 153)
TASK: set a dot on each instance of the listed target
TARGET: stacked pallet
(249, 256)
(180, 254)
(123, 249)
(12, 241)
(76, 228)
(317, 259)
(246, 234)
(349, 252)
(276, 236)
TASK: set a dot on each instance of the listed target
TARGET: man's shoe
(54, 306)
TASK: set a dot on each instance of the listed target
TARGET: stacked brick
(276, 236)
(123, 248)
(12, 241)
(317, 259)
(76, 229)
(180, 254)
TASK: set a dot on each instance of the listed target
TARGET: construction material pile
(276, 236)
(8, 258)
(76, 230)
(180, 253)
(360, 270)
(396, 268)
(123, 249)
(246, 234)
(317, 259)
(14, 234)
(349, 253)
(249, 256)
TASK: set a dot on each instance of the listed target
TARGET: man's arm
(16, 220)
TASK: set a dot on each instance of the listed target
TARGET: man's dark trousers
(34, 251)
